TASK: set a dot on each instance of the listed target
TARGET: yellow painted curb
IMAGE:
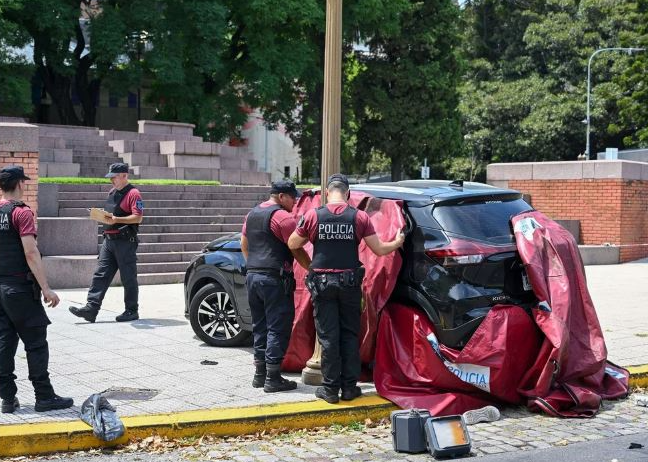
(30, 439)
(638, 375)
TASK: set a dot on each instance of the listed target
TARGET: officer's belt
(271, 272)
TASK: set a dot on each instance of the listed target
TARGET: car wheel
(214, 317)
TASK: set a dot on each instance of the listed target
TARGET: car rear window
(484, 221)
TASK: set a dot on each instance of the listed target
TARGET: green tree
(15, 72)
(405, 98)
(524, 92)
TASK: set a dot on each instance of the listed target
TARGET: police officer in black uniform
(270, 282)
(335, 284)
(119, 248)
(22, 315)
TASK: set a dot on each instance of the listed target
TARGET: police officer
(119, 248)
(335, 283)
(22, 315)
(270, 282)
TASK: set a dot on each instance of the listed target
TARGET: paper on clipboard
(99, 215)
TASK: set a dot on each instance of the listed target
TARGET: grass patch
(74, 180)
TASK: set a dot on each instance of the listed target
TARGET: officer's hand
(400, 238)
(51, 299)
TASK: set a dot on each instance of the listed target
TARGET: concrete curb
(41, 438)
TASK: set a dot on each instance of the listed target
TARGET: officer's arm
(295, 241)
(381, 248)
(244, 246)
(129, 220)
(33, 257)
(302, 258)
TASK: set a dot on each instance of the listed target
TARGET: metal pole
(589, 87)
(331, 115)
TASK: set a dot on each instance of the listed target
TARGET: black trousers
(116, 254)
(23, 317)
(273, 313)
(337, 322)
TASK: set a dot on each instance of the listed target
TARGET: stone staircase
(178, 221)
(89, 150)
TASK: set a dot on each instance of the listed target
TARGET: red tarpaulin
(554, 360)
(380, 279)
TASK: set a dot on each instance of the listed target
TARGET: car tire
(214, 317)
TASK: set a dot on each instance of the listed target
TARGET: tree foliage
(524, 94)
(405, 98)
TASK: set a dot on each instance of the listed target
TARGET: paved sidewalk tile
(160, 352)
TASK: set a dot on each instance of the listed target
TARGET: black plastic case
(447, 436)
(407, 430)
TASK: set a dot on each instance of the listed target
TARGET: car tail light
(464, 252)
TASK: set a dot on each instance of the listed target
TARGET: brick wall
(19, 146)
(611, 211)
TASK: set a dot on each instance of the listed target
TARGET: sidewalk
(160, 353)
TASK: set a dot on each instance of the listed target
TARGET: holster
(35, 286)
(353, 278)
(289, 283)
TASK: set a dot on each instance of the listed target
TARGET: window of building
(287, 171)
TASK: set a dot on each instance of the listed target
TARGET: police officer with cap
(335, 283)
(22, 315)
(270, 282)
(119, 248)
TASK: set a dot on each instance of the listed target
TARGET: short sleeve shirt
(22, 220)
(307, 226)
(282, 223)
(132, 203)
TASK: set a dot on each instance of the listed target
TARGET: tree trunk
(58, 87)
(396, 168)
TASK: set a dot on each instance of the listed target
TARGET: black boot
(327, 394)
(87, 312)
(260, 374)
(53, 403)
(274, 382)
(128, 315)
(10, 405)
(349, 394)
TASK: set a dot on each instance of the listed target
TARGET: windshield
(484, 221)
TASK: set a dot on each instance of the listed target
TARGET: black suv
(459, 260)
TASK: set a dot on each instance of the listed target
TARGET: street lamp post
(589, 75)
(331, 116)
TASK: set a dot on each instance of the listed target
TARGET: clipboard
(99, 215)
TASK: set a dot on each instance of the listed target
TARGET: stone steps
(155, 238)
(160, 257)
(160, 278)
(162, 267)
(193, 228)
(205, 211)
(100, 196)
(168, 203)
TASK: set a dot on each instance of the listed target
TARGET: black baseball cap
(337, 177)
(284, 187)
(116, 168)
(13, 172)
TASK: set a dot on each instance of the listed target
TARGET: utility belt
(317, 282)
(287, 277)
(126, 233)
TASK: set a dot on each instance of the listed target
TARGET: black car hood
(229, 243)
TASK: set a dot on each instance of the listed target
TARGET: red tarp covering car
(554, 360)
(387, 218)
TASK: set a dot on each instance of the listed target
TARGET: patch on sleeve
(139, 204)
(300, 223)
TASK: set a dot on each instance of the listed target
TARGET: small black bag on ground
(407, 430)
(97, 412)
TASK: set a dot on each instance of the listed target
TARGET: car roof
(432, 190)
